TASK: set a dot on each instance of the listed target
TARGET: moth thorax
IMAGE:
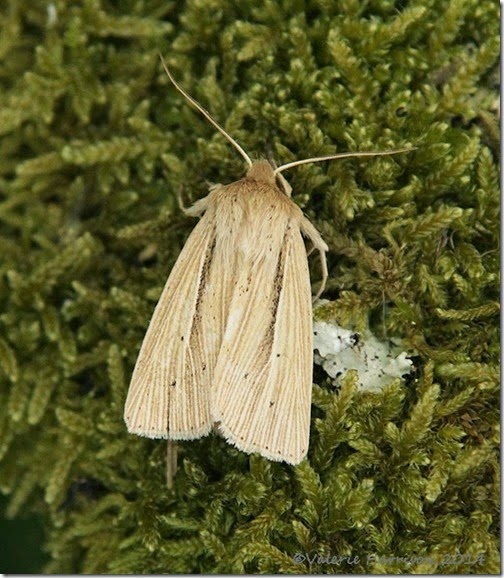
(262, 171)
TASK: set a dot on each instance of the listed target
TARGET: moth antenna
(340, 156)
(205, 113)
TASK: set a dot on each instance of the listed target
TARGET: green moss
(95, 146)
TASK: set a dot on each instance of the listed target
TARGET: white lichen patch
(378, 363)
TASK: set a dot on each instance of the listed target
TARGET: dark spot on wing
(205, 271)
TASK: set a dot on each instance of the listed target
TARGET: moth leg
(212, 186)
(171, 463)
(287, 189)
(325, 274)
(197, 209)
(318, 243)
(180, 200)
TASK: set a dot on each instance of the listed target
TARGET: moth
(229, 345)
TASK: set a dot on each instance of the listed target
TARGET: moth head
(261, 171)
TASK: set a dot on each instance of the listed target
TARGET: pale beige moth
(229, 346)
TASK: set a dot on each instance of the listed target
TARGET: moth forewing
(262, 385)
(169, 394)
